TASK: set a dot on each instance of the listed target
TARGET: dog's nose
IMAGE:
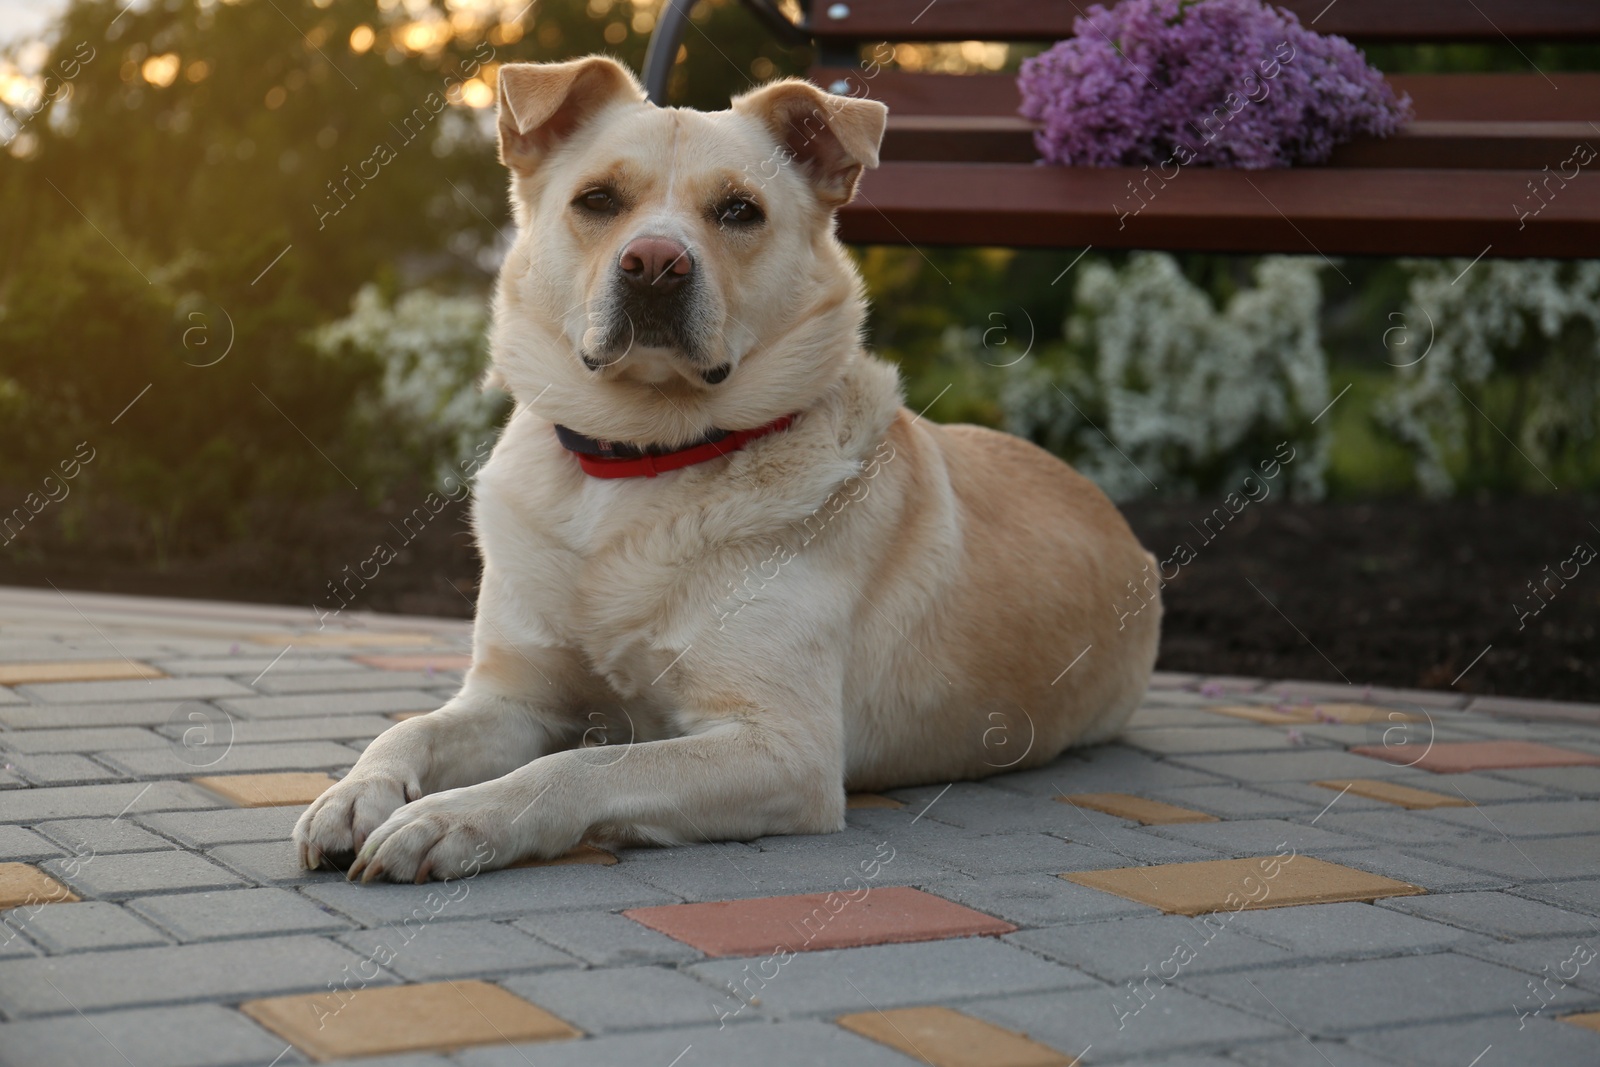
(658, 264)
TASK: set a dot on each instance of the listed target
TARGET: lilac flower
(1230, 83)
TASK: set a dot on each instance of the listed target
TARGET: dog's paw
(453, 834)
(339, 822)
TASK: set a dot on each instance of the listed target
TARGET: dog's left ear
(832, 137)
(541, 104)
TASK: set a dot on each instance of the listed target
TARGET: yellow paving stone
(1403, 795)
(1348, 714)
(1139, 809)
(944, 1037)
(580, 854)
(432, 1016)
(22, 884)
(1589, 1020)
(83, 670)
(268, 790)
(871, 800)
(346, 639)
(1237, 885)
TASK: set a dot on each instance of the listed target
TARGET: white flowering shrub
(427, 405)
(1506, 396)
(1158, 387)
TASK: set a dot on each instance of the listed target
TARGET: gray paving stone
(24, 846)
(130, 874)
(1134, 842)
(332, 728)
(226, 826)
(200, 1035)
(230, 913)
(1538, 1042)
(713, 872)
(1235, 802)
(1498, 914)
(982, 808)
(606, 939)
(1554, 964)
(151, 689)
(1166, 948)
(269, 863)
(63, 716)
(1575, 895)
(1302, 765)
(88, 925)
(1037, 899)
(63, 769)
(1350, 931)
(1303, 1052)
(1254, 837)
(856, 979)
(316, 704)
(1170, 715)
(1541, 859)
(218, 971)
(102, 739)
(1171, 1021)
(1539, 710)
(787, 1044)
(1535, 819)
(70, 801)
(249, 667)
(986, 854)
(1402, 827)
(1432, 876)
(438, 950)
(280, 682)
(1579, 781)
(1338, 998)
(1103, 769)
(625, 998)
(1208, 739)
(238, 759)
(508, 894)
(104, 836)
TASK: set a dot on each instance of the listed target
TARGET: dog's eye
(597, 201)
(739, 212)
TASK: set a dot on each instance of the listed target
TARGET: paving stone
(224, 826)
(106, 739)
(1537, 819)
(63, 716)
(1172, 1021)
(606, 939)
(1265, 882)
(89, 925)
(1402, 827)
(1248, 837)
(286, 683)
(1456, 1044)
(221, 970)
(1581, 896)
(1554, 964)
(333, 728)
(70, 801)
(436, 1016)
(1403, 796)
(249, 667)
(1499, 914)
(103, 836)
(422, 952)
(1336, 998)
(19, 845)
(1456, 756)
(172, 760)
(1523, 708)
(232, 913)
(623, 998)
(350, 639)
(1199, 740)
(788, 1044)
(421, 661)
(1300, 1051)
(1136, 843)
(22, 883)
(157, 689)
(509, 894)
(64, 769)
(318, 704)
(133, 873)
(951, 1038)
(1434, 877)
(1529, 860)
(75, 670)
(1102, 769)
(871, 800)
(817, 921)
(268, 790)
(1038, 900)
(884, 976)
(1163, 947)
(1139, 809)
(269, 863)
(722, 872)
(198, 1035)
(1579, 781)
(1300, 766)
(1348, 930)
(988, 854)
(1236, 802)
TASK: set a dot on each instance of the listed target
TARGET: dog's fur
(858, 602)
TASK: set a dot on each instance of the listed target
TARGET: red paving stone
(810, 922)
(1455, 757)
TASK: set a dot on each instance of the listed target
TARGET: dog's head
(675, 270)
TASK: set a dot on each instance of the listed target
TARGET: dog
(727, 576)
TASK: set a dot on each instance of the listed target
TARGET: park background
(257, 371)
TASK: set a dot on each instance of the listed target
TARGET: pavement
(1269, 874)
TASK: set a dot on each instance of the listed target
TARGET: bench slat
(1306, 211)
(1365, 20)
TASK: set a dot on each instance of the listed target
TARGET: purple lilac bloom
(1228, 83)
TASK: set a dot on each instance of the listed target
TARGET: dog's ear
(831, 137)
(541, 104)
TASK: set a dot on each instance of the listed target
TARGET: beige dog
(846, 599)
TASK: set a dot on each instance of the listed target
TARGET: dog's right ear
(541, 104)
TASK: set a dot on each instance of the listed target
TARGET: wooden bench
(959, 164)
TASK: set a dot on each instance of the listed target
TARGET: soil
(1393, 592)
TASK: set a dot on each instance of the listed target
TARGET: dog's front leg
(759, 755)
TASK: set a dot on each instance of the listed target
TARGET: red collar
(611, 459)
